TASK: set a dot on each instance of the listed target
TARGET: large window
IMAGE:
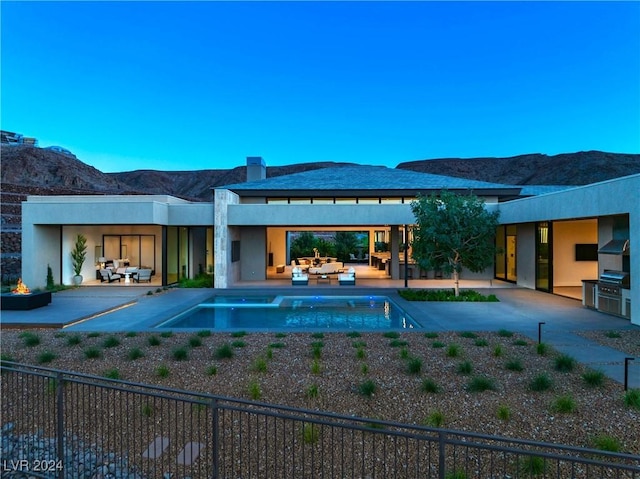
(506, 258)
(544, 256)
(138, 250)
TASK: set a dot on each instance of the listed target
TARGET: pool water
(296, 313)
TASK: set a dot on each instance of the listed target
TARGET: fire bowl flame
(21, 288)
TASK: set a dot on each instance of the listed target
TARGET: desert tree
(453, 231)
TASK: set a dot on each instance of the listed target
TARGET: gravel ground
(285, 368)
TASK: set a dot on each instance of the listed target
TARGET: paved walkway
(127, 308)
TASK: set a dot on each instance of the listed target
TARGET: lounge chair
(109, 276)
(348, 278)
(142, 275)
(298, 278)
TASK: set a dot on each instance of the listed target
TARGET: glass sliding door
(512, 243)
(500, 262)
(506, 243)
(544, 256)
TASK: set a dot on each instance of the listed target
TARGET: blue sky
(201, 85)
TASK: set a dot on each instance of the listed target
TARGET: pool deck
(126, 308)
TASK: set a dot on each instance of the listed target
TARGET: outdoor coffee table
(323, 279)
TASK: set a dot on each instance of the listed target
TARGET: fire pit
(22, 299)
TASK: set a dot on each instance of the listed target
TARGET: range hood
(615, 247)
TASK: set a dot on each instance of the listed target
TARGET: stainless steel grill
(610, 287)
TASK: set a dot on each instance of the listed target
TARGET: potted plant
(78, 256)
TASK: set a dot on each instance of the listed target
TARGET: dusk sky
(201, 85)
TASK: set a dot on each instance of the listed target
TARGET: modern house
(552, 237)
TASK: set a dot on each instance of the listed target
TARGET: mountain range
(27, 167)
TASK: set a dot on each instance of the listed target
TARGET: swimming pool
(297, 313)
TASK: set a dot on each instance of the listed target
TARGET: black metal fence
(58, 424)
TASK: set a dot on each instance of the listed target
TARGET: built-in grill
(610, 287)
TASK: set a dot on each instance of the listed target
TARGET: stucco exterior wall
(253, 253)
(40, 247)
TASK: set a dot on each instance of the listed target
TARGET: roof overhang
(363, 193)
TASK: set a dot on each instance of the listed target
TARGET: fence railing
(59, 424)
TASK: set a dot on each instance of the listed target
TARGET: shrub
(564, 404)
(238, 344)
(514, 365)
(310, 433)
(92, 353)
(255, 392)
(316, 352)
(277, 345)
(391, 334)
(30, 339)
(361, 354)
(497, 351)
(504, 412)
(6, 357)
(632, 398)
(317, 344)
(564, 363)
(46, 357)
(111, 342)
(212, 370)
(223, 352)
(397, 343)
(505, 333)
(315, 367)
(593, 378)
(520, 342)
(269, 353)
(414, 365)
(149, 293)
(465, 367)
(437, 344)
(540, 383)
(542, 349)
(428, 385)
(353, 334)
(112, 373)
(468, 334)
(612, 334)
(260, 365)
(204, 333)
(50, 282)
(131, 334)
(359, 344)
(445, 295)
(604, 442)
(317, 335)
(238, 334)
(367, 388)
(163, 371)
(364, 368)
(74, 340)
(180, 354)
(532, 466)
(166, 334)
(480, 384)
(195, 341)
(147, 410)
(453, 351)
(456, 474)
(153, 340)
(280, 335)
(94, 334)
(435, 419)
(431, 335)
(135, 353)
(404, 353)
(312, 391)
(481, 342)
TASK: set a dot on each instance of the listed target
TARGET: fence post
(216, 435)
(442, 470)
(60, 422)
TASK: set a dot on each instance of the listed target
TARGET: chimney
(256, 168)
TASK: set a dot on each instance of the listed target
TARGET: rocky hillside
(579, 168)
